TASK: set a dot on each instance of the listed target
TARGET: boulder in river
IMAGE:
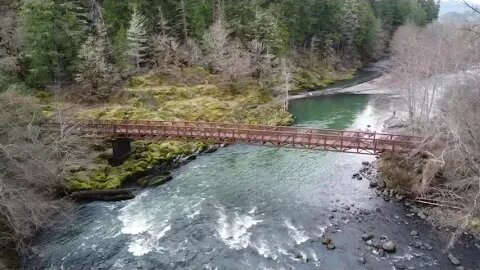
(453, 259)
(421, 215)
(161, 181)
(366, 237)
(362, 259)
(381, 184)
(389, 247)
(326, 241)
(330, 246)
(381, 253)
(211, 150)
(413, 233)
(108, 195)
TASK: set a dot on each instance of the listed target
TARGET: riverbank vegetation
(212, 60)
(440, 93)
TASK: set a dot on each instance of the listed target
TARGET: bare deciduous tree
(216, 41)
(435, 72)
(33, 164)
(225, 56)
(261, 59)
(285, 77)
(423, 59)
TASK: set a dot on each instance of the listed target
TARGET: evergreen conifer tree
(137, 40)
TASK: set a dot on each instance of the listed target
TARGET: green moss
(251, 104)
(318, 78)
(147, 155)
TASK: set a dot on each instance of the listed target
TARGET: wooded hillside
(57, 42)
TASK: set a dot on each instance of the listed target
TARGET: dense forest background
(59, 42)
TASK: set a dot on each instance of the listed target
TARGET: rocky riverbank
(414, 212)
(369, 80)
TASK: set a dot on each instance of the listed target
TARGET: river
(246, 207)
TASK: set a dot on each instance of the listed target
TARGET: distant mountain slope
(460, 17)
(449, 6)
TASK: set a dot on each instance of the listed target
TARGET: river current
(247, 207)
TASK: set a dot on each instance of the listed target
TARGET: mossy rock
(318, 78)
(161, 181)
(147, 156)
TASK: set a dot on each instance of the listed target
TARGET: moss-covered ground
(192, 95)
(315, 78)
(200, 98)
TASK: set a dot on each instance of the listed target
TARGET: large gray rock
(326, 241)
(421, 215)
(453, 259)
(362, 259)
(366, 237)
(389, 247)
(381, 184)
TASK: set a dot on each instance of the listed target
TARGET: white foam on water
(235, 232)
(314, 255)
(134, 218)
(144, 226)
(264, 250)
(134, 223)
(143, 244)
(194, 210)
(119, 264)
(322, 231)
(139, 247)
(296, 233)
(283, 251)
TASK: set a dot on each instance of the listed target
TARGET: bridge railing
(328, 139)
(248, 127)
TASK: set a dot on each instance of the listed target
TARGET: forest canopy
(48, 42)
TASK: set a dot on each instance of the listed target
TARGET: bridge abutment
(122, 148)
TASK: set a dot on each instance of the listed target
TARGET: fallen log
(106, 195)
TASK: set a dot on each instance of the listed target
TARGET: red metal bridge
(360, 142)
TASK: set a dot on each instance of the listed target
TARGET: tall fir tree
(350, 27)
(120, 49)
(137, 40)
(39, 46)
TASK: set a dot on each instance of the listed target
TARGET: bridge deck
(318, 139)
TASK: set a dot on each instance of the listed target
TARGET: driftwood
(438, 203)
(107, 195)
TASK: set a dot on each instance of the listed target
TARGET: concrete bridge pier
(122, 148)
